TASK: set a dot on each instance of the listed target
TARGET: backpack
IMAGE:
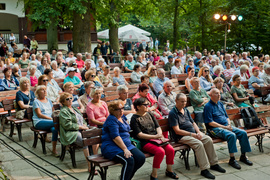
(250, 118)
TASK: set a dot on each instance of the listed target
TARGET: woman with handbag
(24, 98)
(42, 115)
(146, 129)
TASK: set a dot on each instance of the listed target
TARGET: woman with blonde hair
(152, 74)
(206, 81)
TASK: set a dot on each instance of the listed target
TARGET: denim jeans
(232, 136)
(47, 125)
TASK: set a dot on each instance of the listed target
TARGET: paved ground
(16, 168)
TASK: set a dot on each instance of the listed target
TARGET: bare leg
(154, 172)
(95, 148)
(86, 154)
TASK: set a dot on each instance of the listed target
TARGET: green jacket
(68, 125)
(196, 98)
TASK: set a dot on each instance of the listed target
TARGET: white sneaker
(267, 99)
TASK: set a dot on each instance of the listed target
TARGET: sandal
(55, 155)
(172, 175)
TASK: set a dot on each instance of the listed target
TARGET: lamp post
(227, 20)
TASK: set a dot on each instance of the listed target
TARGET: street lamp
(227, 20)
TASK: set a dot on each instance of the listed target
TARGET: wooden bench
(41, 134)
(265, 92)
(9, 107)
(93, 137)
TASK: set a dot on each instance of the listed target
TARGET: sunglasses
(93, 75)
(154, 69)
(120, 109)
(146, 105)
(206, 70)
(107, 67)
(45, 80)
(70, 98)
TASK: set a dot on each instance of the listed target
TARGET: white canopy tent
(105, 34)
(133, 36)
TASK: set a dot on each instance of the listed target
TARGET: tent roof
(105, 34)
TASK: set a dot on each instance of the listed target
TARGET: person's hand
(127, 153)
(158, 136)
(199, 135)
(229, 127)
(247, 98)
(230, 104)
(163, 139)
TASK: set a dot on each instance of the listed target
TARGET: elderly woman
(51, 81)
(71, 124)
(24, 62)
(146, 128)
(136, 74)
(153, 105)
(85, 98)
(90, 75)
(116, 144)
(218, 73)
(10, 81)
(69, 88)
(24, 97)
(228, 72)
(99, 65)
(72, 63)
(152, 74)
(191, 74)
(255, 82)
(44, 65)
(128, 106)
(42, 115)
(156, 58)
(52, 93)
(57, 72)
(177, 68)
(198, 99)
(106, 78)
(118, 79)
(239, 93)
(242, 72)
(206, 81)
(261, 68)
(33, 78)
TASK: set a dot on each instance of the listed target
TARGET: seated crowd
(213, 85)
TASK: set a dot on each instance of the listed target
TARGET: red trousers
(159, 153)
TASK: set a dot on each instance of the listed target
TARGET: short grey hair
(79, 54)
(121, 88)
(244, 67)
(179, 95)
(38, 89)
(266, 66)
(87, 61)
(116, 69)
(33, 63)
(94, 90)
(32, 67)
(88, 83)
(87, 55)
(15, 66)
(53, 62)
(22, 80)
(167, 82)
(101, 60)
(217, 67)
(160, 70)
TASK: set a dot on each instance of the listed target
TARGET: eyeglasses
(107, 67)
(206, 70)
(45, 80)
(154, 69)
(146, 105)
(93, 75)
(120, 109)
(70, 98)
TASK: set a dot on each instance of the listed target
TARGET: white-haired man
(166, 100)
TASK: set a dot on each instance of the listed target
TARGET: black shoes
(152, 178)
(217, 167)
(205, 173)
(245, 160)
(234, 164)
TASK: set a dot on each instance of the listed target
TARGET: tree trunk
(52, 36)
(175, 26)
(113, 31)
(81, 33)
(202, 16)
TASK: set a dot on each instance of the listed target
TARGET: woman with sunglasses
(145, 127)
(42, 114)
(52, 93)
(206, 81)
(69, 88)
(116, 144)
(191, 74)
(71, 124)
(97, 111)
(152, 74)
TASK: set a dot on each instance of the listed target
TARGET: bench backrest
(91, 137)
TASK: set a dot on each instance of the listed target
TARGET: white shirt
(243, 78)
(68, 59)
(92, 63)
(38, 62)
(176, 70)
(165, 59)
(58, 74)
(183, 60)
(12, 38)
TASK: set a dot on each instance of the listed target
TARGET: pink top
(156, 59)
(98, 113)
(33, 81)
(80, 63)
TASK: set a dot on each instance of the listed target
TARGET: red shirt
(80, 63)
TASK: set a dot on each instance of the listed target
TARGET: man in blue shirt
(130, 63)
(219, 124)
(158, 83)
(72, 78)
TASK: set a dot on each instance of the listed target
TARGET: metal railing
(7, 35)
